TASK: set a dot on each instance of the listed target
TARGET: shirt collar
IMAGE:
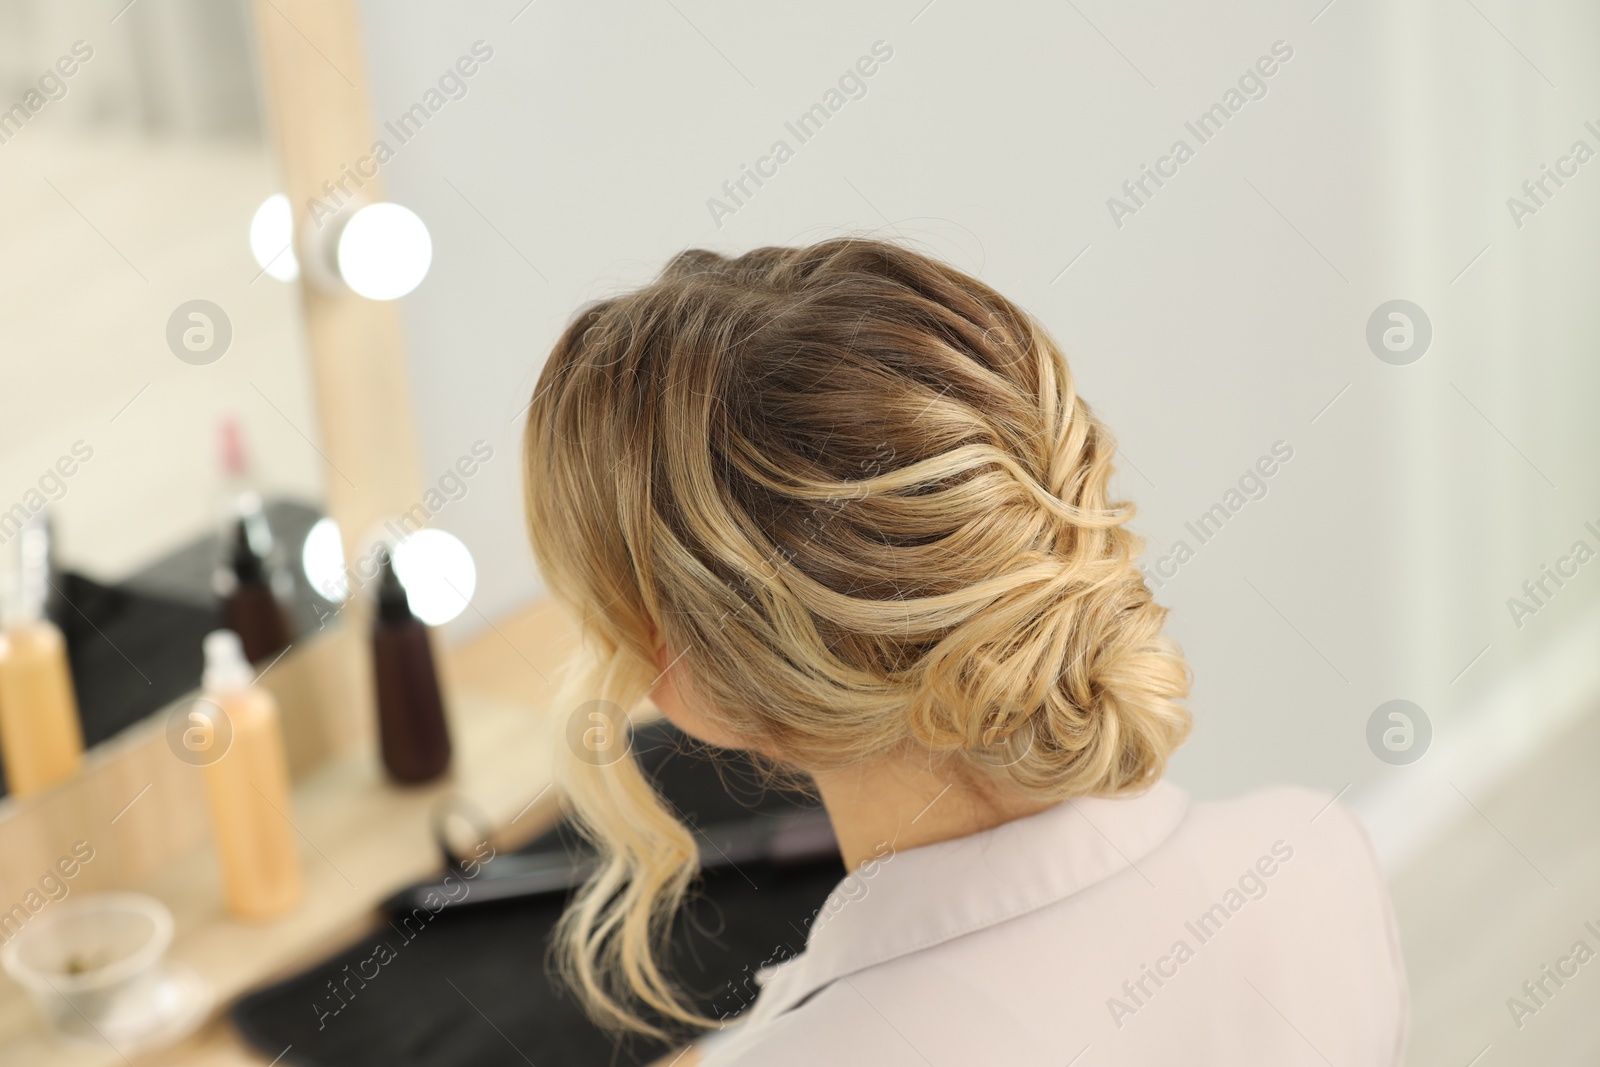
(917, 898)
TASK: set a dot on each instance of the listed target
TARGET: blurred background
(1369, 270)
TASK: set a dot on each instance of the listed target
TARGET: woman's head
(853, 496)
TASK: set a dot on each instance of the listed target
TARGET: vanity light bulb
(438, 573)
(384, 251)
(322, 559)
(272, 238)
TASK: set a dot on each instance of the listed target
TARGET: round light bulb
(384, 251)
(272, 238)
(322, 559)
(438, 573)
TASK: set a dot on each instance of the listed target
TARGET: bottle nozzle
(25, 583)
(393, 603)
(226, 668)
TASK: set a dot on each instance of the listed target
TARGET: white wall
(1220, 318)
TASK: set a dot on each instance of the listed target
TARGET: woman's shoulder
(1294, 813)
(1291, 826)
(1274, 893)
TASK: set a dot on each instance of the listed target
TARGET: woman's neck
(901, 802)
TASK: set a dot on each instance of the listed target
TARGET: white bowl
(94, 967)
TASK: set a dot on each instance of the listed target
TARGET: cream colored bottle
(41, 737)
(248, 786)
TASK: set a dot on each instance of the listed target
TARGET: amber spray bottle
(41, 737)
(247, 783)
(413, 734)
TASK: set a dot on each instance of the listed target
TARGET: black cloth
(131, 652)
(472, 988)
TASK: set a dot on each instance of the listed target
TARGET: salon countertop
(361, 840)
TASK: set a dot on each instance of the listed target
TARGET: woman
(841, 506)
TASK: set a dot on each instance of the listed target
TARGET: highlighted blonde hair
(857, 491)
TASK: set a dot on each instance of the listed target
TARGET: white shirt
(1141, 930)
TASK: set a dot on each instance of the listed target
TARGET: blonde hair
(857, 490)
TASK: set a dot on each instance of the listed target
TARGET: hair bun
(1064, 685)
